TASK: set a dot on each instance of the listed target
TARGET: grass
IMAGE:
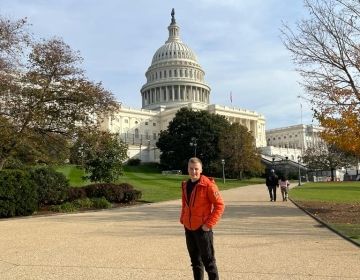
(332, 192)
(157, 187)
(338, 192)
(350, 230)
(147, 178)
(74, 174)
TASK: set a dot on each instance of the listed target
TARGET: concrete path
(256, 239)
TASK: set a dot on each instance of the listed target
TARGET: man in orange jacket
(202, 207)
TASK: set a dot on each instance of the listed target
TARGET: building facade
(295, 137)
(292, 141)
(175, 79)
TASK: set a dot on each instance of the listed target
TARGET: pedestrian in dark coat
(272, 182)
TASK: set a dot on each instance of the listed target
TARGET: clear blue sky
(237, 42)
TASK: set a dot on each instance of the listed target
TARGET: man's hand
(205, 228)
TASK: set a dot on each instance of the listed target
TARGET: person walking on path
(272, 181)
(202, 207)
(284, 187)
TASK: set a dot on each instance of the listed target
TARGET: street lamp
(140, 149)
(223, 167)
(273, 163)
(299, 158)
(193, 143)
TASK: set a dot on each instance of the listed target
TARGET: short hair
(194, 160)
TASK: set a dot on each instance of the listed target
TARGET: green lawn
(332, 192)
(339, 192)
(147, 178)
(352, 231)
(74, 174)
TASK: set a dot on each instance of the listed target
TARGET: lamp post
(223, 169)
(273, 163)
(286, 166)
(140, 149)
(299, 158)
(193, 143)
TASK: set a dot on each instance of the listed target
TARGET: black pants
(200, 245)
(272, 192)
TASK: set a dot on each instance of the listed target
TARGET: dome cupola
(175, 77)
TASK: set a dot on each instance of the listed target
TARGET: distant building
(174, 80)
(292, 141)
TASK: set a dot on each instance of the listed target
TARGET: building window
(154, 124)
(136, 133)
(136, 122)
(126, 121)
(154, 136)
(146, 123)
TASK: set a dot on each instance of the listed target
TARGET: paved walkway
(256, 239)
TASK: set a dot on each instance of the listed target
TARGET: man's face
(194, 170)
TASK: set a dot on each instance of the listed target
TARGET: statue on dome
(173, 16)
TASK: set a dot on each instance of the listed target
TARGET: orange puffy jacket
(205, 205)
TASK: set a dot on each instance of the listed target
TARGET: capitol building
(175, 79)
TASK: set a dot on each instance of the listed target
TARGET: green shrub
(76, 205)
(18, 193)
(52, 186)
(84, 203)
(101, 203)
(111, 192)
(118, 193)
(65, 207)
(132, 195)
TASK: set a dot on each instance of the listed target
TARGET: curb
(325, 224)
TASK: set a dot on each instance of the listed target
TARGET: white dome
(174, 77)
(174, 51)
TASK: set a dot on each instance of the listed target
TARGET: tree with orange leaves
(326, 50)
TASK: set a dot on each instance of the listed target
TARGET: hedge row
(23, 192)
(119, 193)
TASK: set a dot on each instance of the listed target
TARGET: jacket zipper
(192, 198)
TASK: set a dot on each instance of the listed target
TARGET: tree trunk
(332, 175)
